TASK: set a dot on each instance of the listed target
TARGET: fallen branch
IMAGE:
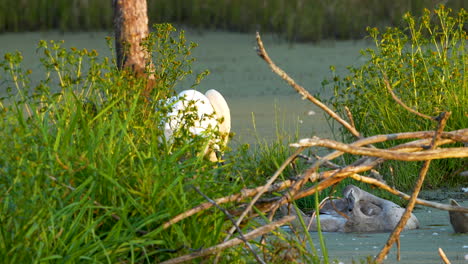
(395, 235)
(366, 164)
(241, 235)
(233, 242)
(423, 148)
(301, 90)
(238, 197)
(443, 256)
(383, 186)
(385, 154)
(400, 102)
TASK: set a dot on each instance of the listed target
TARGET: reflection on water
(247, 83)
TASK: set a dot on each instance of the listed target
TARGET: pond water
(416, 246)
(249, 86)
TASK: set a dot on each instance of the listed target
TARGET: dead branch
(350, 117)
(443, 256)
(241, 235)
(238, 197)
(366, 164)
(385, 154)
(332, 177)
(395, 235)
(411, 110)
(383, 186)
(301, 90)
(450, 137)
(233, 242)
(264, 189)
(423, 148)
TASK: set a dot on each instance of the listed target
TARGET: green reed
(425, 61)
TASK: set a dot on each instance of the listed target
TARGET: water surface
(247, 83)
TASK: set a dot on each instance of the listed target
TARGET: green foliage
(426, 66)
(86, 177)
(173, 57)
(254, 164)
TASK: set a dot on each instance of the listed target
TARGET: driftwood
(424, 147)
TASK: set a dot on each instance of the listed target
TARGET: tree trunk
(131, 28)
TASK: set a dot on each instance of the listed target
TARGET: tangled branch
(425, 146)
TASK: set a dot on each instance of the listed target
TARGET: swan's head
(351, 193)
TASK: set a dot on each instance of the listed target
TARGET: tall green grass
(296, 19)
(85, 175)
(426, 63)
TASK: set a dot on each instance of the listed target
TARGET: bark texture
(131, 27)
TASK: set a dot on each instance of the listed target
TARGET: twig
(386, 154)
(395, 235)
(398, 249)
(383, 186)
(238, 197)
(233, 242)
(454, 136)
(366, 164)
(443, 256)
(350, 116)
(390, 90)
(241, 235)
(328, 163)
(301, 90)
(264, 189)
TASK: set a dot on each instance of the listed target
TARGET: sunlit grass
(86, 176)
(426, 64)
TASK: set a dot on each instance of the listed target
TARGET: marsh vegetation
(295, 20)
(86, 178)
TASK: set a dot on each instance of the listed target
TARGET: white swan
(209, 116)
